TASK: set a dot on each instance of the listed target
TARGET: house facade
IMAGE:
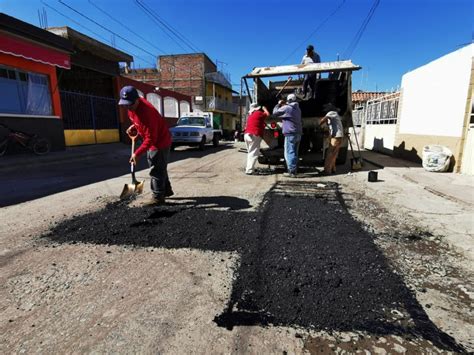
(170, 104)
(88, 92)
(436, 107)
(29, 60)
(197, 76)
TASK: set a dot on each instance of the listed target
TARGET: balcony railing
(216, 104)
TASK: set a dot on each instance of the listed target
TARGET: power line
(150, 15)
(173, 30)
(98, 35)
(89, 30)
(128, 28)
(350, 49)
(165, 26)
(105, 28)
(314, 31)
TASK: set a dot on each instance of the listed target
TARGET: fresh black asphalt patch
(304, 261)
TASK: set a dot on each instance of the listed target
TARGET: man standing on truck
(290, 113)
(310, 79)
(254, 134)
(151, 126)
(336, 133)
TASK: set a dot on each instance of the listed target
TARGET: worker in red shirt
(150, 125)
(254, 134)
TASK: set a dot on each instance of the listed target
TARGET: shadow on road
(304, 261)
(46, 177)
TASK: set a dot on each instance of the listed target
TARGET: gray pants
(158, 162)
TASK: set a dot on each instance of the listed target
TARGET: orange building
(30, 99)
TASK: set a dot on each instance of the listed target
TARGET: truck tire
(202, 144)
(215, 140)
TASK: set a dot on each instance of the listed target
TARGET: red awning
(21, 48)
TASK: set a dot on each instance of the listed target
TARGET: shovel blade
(356, 164)
(128, 191)
(139, 187)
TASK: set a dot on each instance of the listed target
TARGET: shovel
(136, 187)
(284, 86)
(356, 163)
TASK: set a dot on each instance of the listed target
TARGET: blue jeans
(292, 143)
(158, 162)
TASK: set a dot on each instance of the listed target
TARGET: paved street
(26, 177)
(236, 263)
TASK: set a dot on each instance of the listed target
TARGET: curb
(380, 166)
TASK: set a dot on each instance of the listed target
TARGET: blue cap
(128, 95)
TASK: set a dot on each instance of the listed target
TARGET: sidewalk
(453, 186)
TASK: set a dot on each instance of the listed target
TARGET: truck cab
(195, 129)
(332, 86)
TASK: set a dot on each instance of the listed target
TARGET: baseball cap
(254, 107)
(310, 48)
(291, 98)
(128, 95)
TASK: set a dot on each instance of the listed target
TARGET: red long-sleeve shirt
(150, 126)
(256, 123)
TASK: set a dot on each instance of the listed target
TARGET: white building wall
(434, 96)
(380, 137)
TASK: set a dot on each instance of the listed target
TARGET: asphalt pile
(305, 262)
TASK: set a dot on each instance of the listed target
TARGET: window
(155, 100)
(184, 106)
(171, 107)
(24, 93)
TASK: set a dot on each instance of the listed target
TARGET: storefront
(88, 93)
(30, 99)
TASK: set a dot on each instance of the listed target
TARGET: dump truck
(332, 86)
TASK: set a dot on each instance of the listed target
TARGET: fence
(81, 111)
(382, 110)
(378, 121)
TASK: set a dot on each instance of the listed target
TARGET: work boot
(169, 192)
(155, 201)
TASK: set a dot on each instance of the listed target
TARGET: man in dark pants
(310, 79)
(149, 124)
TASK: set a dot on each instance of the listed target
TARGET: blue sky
(239, 35)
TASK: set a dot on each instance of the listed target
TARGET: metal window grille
(81, 111)
(382, 110)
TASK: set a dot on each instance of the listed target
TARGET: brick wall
(185, 73)
(148, 75)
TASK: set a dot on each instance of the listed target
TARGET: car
(195, 129)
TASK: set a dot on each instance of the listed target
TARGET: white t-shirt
(307, 59)
(335, 124)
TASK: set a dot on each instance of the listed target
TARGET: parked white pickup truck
(195, 129)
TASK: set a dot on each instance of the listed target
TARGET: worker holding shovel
(150, 125)
(336, 133)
